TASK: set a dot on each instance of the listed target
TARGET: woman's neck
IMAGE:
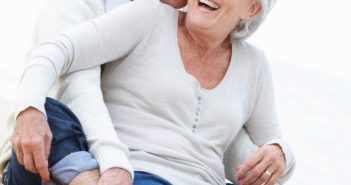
(202, 41)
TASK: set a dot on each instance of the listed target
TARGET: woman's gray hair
(246, 28)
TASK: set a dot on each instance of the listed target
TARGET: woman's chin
(202, 17)
(199, 22)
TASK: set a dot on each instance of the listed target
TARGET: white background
(308, 42)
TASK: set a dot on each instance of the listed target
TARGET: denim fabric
(68, 144)
(16, 174)
(144, 178)
(71, 165)
(68, 135)
(68, 138)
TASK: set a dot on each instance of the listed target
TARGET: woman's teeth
(209, 4)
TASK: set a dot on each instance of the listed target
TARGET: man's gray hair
(246, 28)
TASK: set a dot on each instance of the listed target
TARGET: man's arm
(56, 57)
(82, 94)
(81, 90)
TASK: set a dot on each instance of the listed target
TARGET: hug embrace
(148, 94)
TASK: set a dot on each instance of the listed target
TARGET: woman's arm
(274, 157)
(109, 37)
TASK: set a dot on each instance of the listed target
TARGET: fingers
(18, 149)
(257, 173)
(28, 160)
(249, 165)
(266, 166)
(48, 140)
(34, 159)
(278, 172)
(41, 162)
(265, 176)
(273, 179)
(32, 142)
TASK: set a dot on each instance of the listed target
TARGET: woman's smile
(208, 5)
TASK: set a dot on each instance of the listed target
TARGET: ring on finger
(268, 173)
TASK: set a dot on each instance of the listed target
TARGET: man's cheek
(175, 3)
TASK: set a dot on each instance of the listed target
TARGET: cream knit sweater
(81, 92)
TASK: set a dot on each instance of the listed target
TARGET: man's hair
(246, 28)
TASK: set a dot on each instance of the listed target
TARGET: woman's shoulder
(253, 57)
(249, 50)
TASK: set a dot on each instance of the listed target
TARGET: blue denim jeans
(69, 153)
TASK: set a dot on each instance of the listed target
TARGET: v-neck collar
(192, 79)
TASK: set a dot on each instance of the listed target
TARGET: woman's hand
(115, 176)
(175, 3)
(266, 167)
(32, 142)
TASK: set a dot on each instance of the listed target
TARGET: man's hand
(175, 3)
(32, 141)
(115, 176)
(266, 166)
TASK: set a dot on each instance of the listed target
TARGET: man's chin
(175, 3)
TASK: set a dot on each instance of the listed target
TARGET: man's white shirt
(111, 4)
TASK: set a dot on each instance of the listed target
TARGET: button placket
(197, 114)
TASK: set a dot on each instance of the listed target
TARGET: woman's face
(220, 15)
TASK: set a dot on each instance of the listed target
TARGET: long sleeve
(80, 90)
(262, 125)
(239, 150)
(92, 43)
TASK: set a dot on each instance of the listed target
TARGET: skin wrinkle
(202, 43)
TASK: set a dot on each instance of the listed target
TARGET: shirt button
(199, 98)
(194, 128)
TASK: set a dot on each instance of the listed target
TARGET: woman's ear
(252, 11)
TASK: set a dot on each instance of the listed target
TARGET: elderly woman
(182, 88)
